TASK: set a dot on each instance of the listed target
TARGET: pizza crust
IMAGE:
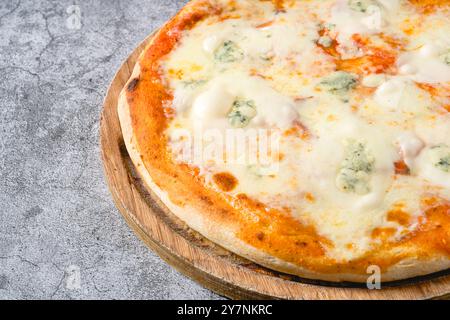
(225, 234)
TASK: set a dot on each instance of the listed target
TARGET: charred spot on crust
(260, 236)
(301, 243)
(207, 200)
(133, 84)
(225, 181)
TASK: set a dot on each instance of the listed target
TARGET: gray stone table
(60, 235)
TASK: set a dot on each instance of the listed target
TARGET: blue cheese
(361, 5)
(242, 113)
(433, 165)
(228, 52)
(339, 82)
(355, 170)
(440, 157)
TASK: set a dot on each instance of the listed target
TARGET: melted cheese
(410, 146)
(425, 65)
(425, 167)
(271, 61)
(215, 102)
(349, 21)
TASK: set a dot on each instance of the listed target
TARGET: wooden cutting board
(209, 264)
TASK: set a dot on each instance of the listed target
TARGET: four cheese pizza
(311, 137)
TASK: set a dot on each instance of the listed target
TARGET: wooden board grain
(205, 262)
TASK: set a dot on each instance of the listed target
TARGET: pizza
(311, 137)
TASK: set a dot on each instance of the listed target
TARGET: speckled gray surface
(60, 235)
